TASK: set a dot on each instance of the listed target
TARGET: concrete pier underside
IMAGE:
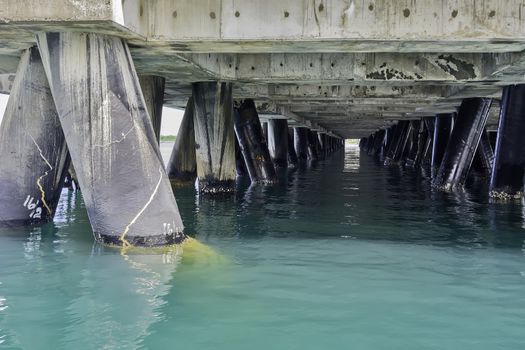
(344, 67)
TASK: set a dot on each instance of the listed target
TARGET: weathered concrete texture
(509, 159)
(253, 144)
(182, 166)
(110, 136)
(463, 143)
(301, 144)
(278, 142)
(33, 151)
(442, 130)
(153, 92)
(214, 137)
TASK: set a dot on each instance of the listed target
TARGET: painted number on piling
(33, 207)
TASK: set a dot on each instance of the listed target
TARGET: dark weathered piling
(301, 143)
(509, 158)
(442, 130)
(278, 142)
(182, 166)
(422, 140)
(253, 144)
(292, 156)
(399, 140)
(313, 153)
(33, 151)
(485, 155)
(461, 148)
(214, 137)
(125, 188)
(240, 165)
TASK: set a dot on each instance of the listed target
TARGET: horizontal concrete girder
(356, 68)
(335, 26)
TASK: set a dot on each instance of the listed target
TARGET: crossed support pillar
(253, 144)
(103, 117)
(463, 143)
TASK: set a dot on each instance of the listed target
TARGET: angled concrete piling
(253, 144)
(33, 150)
(182, 166)
(116, 155)
(509, 158)
(153, 91)
(399, 141)
(214, 137)
(463, 143)
(442, 130)
(278, 142)
(485, 155)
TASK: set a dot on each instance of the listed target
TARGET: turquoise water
(346, 255)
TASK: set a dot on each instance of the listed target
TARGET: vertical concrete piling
(278, 142)
(442, 130)
(111, 139)
(463, 143)
(509, 158)
(182, 166)
(33, 151)
(301, 144)
(292, 156)
(253, 144)
(214, 137)
(153, 91)
(313, 154)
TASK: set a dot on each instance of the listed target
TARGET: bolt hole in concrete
(286, 14)
(371, 7)
(321, 7)
(492, 13)
(237, 13)
(454, 13)
(406, 12)
(212, 15)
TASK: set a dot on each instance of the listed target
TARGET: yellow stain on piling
(190, 251)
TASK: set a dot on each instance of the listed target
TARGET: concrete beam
(335, 26)
(358, 68)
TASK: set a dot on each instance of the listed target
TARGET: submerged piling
(33, 150)
(463, 143)
(509, 158)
